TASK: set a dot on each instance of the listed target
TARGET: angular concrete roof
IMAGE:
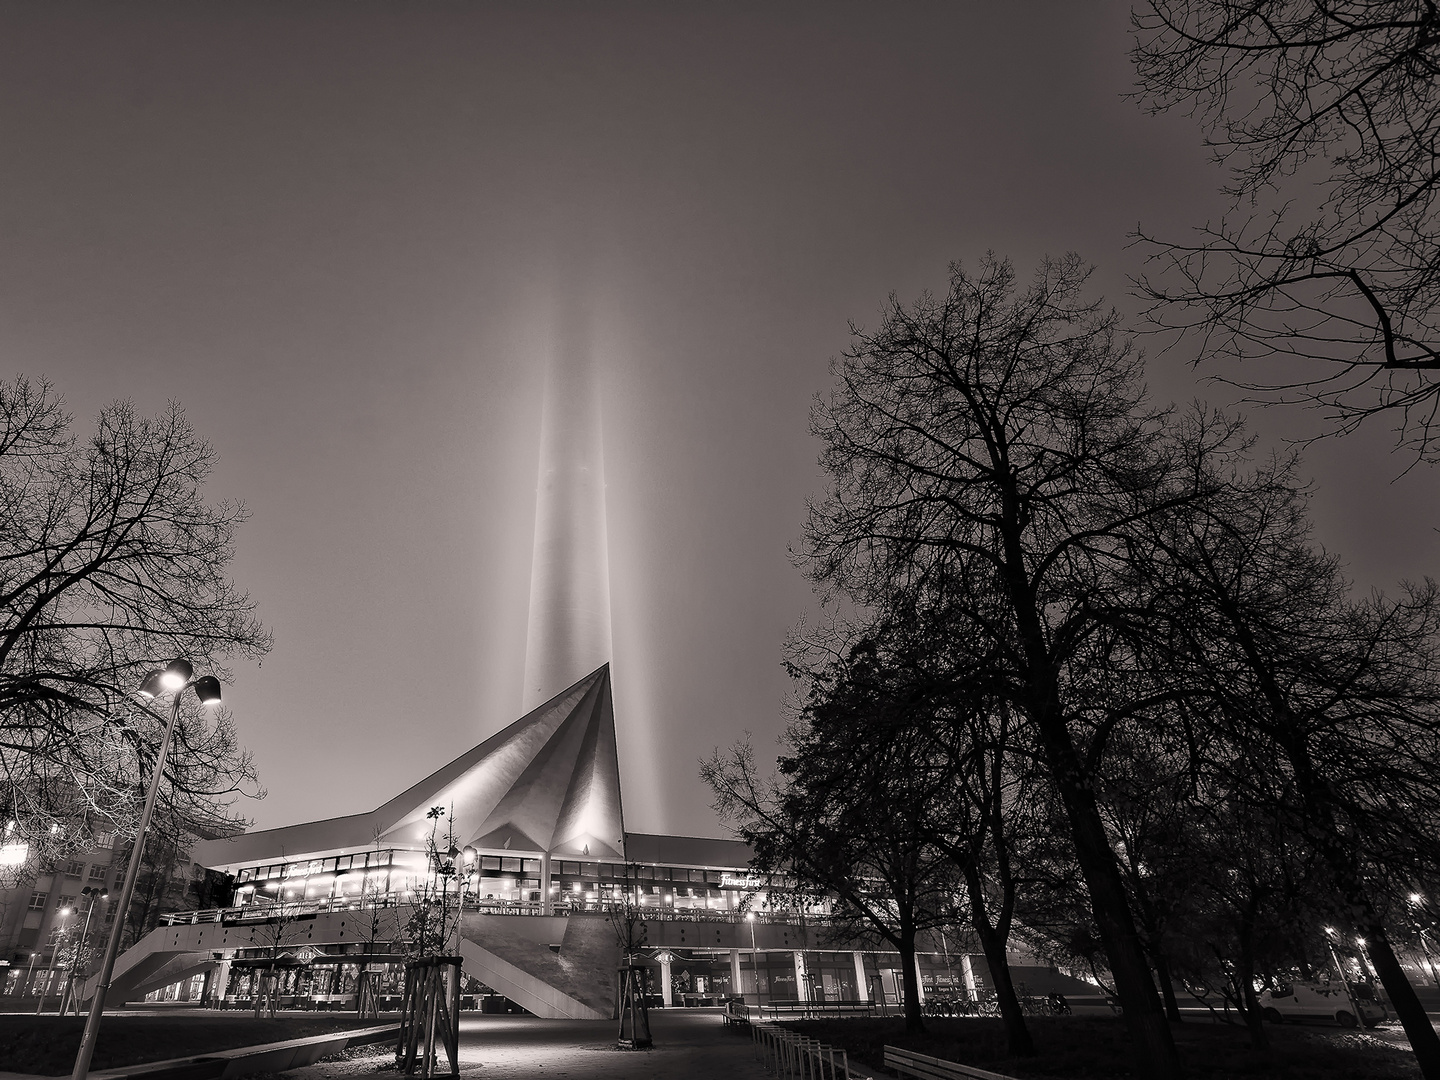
(550, 782)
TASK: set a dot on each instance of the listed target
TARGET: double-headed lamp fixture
(174, 676)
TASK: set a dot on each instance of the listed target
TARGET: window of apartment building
(104, 840)
(66, 902)
(97, 872)
(74, 868)
(37, 901)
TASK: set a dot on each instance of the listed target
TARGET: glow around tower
(569, 627)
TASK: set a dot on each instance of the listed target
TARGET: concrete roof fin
(550, 775)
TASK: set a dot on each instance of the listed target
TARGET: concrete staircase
(554, 966)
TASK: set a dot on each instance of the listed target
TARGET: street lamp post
(1429, 960)
(94, 893)
(57, 936)
(28, 984)
(1418, 902)
(1331, 936)
(754, 956)
(174, 679)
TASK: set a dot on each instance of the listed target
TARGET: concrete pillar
(860, 984)
(667, 992)
(967, 970)
(736, 986)
(222, 981)
(547, 902)
(802, 989)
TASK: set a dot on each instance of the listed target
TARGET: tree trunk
(1245, 980)
(1144, 1016)
(1167, 988)
(914, 1021)
(1017, 1034)
(1418, 1028)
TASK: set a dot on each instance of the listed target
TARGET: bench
(737, 1012)
(930, 1068)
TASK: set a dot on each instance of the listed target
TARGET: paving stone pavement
(690, 1044)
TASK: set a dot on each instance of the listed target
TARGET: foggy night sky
(335, 234)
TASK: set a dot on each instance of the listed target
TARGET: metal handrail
(292, 908)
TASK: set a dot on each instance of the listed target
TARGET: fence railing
(815, 1010)
(798, 1057)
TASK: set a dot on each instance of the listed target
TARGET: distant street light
(174, 678)
(57, 936)
(30, 973)
(1418, 902)
(94, 893)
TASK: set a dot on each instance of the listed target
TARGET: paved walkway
(690, 1044)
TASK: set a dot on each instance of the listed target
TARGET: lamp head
(1416, 898)
(470, 854)
(749, 916)
(207, 689)
(152, 684)
(177, 673)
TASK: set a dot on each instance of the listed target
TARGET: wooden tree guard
(267, 991)
(634, 1015)
(431, 1007)
(367, 1000)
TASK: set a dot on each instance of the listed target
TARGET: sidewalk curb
(242, 1060)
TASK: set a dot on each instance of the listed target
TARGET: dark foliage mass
(1088, 679)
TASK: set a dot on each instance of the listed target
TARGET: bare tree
(379, 920)
(111, 561)
(436, 910)
(278, 930)
(1328, 114)
(1331, 704)
(999, 436)
(847, 818)
(988, 832)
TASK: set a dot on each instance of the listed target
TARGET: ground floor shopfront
(329, 978)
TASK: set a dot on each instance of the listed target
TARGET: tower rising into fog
(569, 631)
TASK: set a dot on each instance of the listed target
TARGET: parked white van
(1321, 1001)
